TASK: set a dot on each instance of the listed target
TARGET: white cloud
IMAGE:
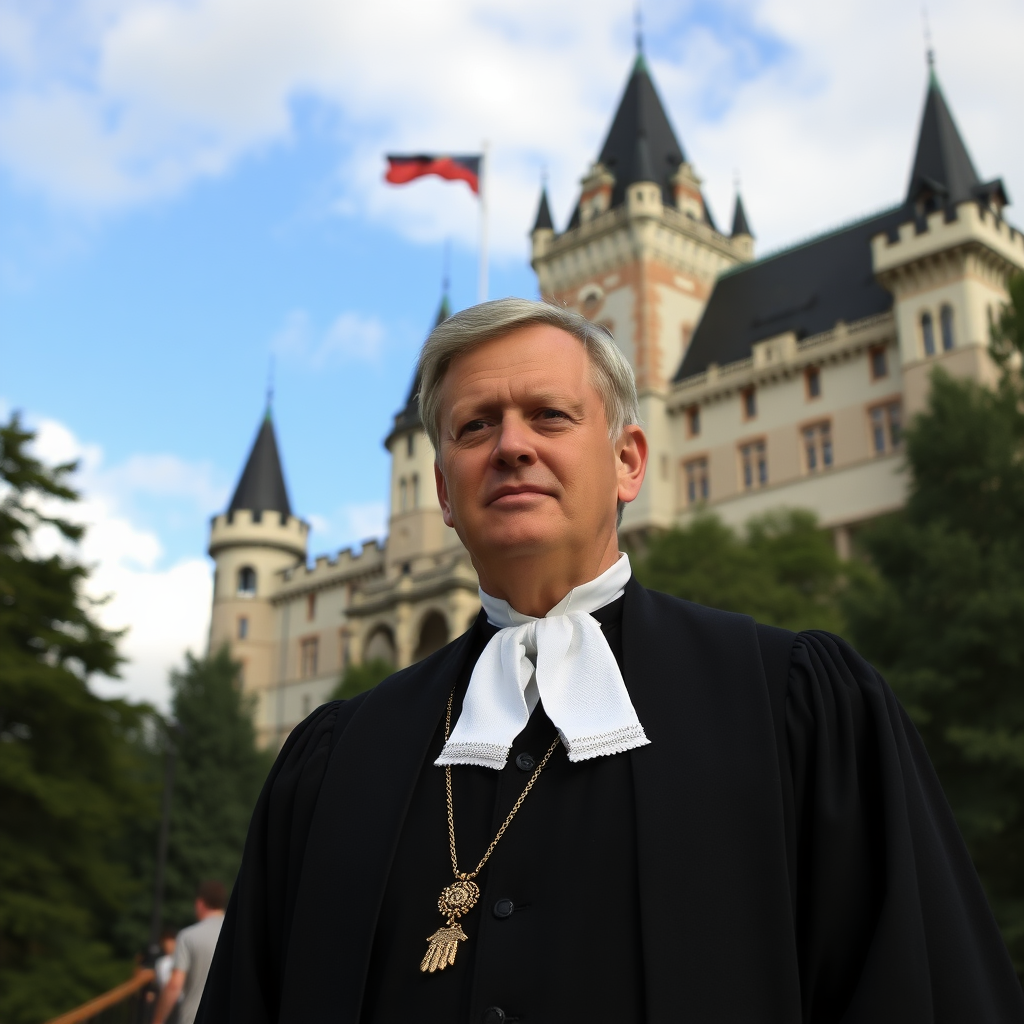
(816, 105)
(351, 337)
(164, 605)
(348, 526)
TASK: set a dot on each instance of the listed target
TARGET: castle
(763, 383)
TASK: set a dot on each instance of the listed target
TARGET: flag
(403, 169)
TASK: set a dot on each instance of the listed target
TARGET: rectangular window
(695, 480)
(879, 363)
(308, 651)
(243, 628)
(753, 465)
(410, 445)
(886, 427)
(693, 421)
(749, 403)
(310, 607)
(817, 447)
(813, 378)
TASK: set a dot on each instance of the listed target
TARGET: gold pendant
(455, 900)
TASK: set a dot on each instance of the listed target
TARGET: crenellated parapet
(967, 238)
(345, 567)
(245, 528)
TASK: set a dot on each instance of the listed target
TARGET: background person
(193, 954)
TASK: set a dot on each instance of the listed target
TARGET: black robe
(795, 857)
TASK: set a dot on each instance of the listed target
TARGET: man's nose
(514, 444)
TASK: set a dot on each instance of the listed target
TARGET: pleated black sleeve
(245, 977)
(892, 923)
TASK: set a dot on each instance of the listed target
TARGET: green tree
(70, 766)
(945, 620)
(218, 777)
(357, 678)
(783, 570)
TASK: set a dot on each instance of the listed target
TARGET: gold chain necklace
(461, 896)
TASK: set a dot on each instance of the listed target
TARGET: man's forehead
(543, 357)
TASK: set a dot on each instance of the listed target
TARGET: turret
(948, 262)
(741, 233)
(543, 226)
(251, 543)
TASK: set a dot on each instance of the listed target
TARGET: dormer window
(410, 445)
(247, 581)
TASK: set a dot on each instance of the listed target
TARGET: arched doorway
(433, 635)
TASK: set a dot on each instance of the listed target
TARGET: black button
(504, 908)
(494, 1015)
(525, 762)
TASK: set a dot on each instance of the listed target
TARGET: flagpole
(482, 284)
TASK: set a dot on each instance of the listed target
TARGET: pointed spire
(408, 417)
(261, 487)
(444, 311)
(543, 221)
(739, 219)
(641, 144)
(943, 168)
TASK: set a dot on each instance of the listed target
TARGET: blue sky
(190, 188)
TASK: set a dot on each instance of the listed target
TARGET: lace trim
(484, 755)
(617, 741)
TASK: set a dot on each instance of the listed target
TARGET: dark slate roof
(261, 487)
(739, 219)
(942, 164)
(805, 289)
(641, 145)
(543, 213)
(409, 416)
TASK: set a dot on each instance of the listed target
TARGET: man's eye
(552, 414)
(473, 425)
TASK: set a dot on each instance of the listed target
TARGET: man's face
(526, 464)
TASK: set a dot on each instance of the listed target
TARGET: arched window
(247, 580)
(946, 323)
(403, 495)
(415, 490)
(928, 334)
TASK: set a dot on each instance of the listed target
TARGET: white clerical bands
(564, 661)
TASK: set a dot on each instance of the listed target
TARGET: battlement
(967, 225)
(243, 528)
(327, 571)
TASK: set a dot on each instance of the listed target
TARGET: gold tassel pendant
(455, 900)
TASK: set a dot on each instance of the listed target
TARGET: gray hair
(465, 330)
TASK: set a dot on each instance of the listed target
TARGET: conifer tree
(218, 777)
(69, 783)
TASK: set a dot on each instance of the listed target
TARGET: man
(600, 803)
(193, 954)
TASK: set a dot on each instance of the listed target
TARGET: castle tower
(252, 544)
(640, 255)
(947, 265)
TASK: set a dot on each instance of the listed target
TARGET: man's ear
(442, 495)
(631, 461)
